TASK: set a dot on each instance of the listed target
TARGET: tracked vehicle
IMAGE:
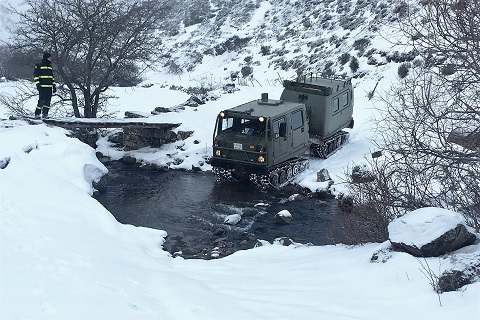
(267, 140)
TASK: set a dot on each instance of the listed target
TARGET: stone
(452, 280)
(193, 101)
(158, 110)
(323, 175)
(196, 168)
(283, 217)
(4, 162)
(182, 135)
(129, 159)
(284, 241)
(230, 88)
(116, 137)
(232, 219)
(430, 232)
(296, 197)
(381, 255)
(136, 114)
(467, 139)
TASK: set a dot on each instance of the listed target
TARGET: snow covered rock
(430, 232)
(261, 205)
(232, 219)
(296, 197)
(283, 217)
(284, 241)
(136, 114)
(323, 175)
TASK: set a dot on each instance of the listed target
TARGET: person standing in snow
(45, 81)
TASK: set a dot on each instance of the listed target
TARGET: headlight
(261, 159)
(218, 153)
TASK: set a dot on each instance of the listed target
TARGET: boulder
(4, 162)
(284, 241)
(232, 219)
(283, 217)
(136, 114)
(430, 232)
(159, 110)
(193, 101)
(296, 197)
(197, 167)
(469, 139)
(323, 175)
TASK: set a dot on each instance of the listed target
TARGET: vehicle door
(298, 129)
(280, 141)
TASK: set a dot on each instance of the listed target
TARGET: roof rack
(319, 75)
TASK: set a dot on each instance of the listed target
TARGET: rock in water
(232, 219)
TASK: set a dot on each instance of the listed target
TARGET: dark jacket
(43, 75)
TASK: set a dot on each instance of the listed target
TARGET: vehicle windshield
(243, 126)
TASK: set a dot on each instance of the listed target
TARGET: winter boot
(45, 113)
(37, 112)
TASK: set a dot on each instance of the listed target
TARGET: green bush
(344, 58)
(246, 71)
(361, 45)
(403, 69)
(354, 64)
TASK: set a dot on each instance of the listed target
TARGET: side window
(336, 105)
(276, 126)
(345, 99)
(297, 119)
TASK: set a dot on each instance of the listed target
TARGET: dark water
(191, 208)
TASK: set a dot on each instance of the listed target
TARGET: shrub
(265, 50)
(354, 64)
(344, 58)
(403, 69)
(361, 45)
(448, 69)
(246, 71)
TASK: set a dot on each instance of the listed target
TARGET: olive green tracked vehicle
(266, 140)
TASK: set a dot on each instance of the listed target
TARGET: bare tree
(422, 164)
(95, 43)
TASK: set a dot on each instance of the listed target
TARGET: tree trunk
(73, 95)
(87, 112)
(96, 99)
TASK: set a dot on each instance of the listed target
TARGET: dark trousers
(44, 99)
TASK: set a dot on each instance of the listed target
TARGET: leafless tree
(95, 43)
(429, 130)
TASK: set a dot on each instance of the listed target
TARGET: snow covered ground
(64, 256)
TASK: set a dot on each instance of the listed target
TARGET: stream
(192, 206)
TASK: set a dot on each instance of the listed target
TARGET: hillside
(291, 36)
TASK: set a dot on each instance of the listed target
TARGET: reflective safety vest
(43, 75)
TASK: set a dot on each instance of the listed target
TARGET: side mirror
(282, 131)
